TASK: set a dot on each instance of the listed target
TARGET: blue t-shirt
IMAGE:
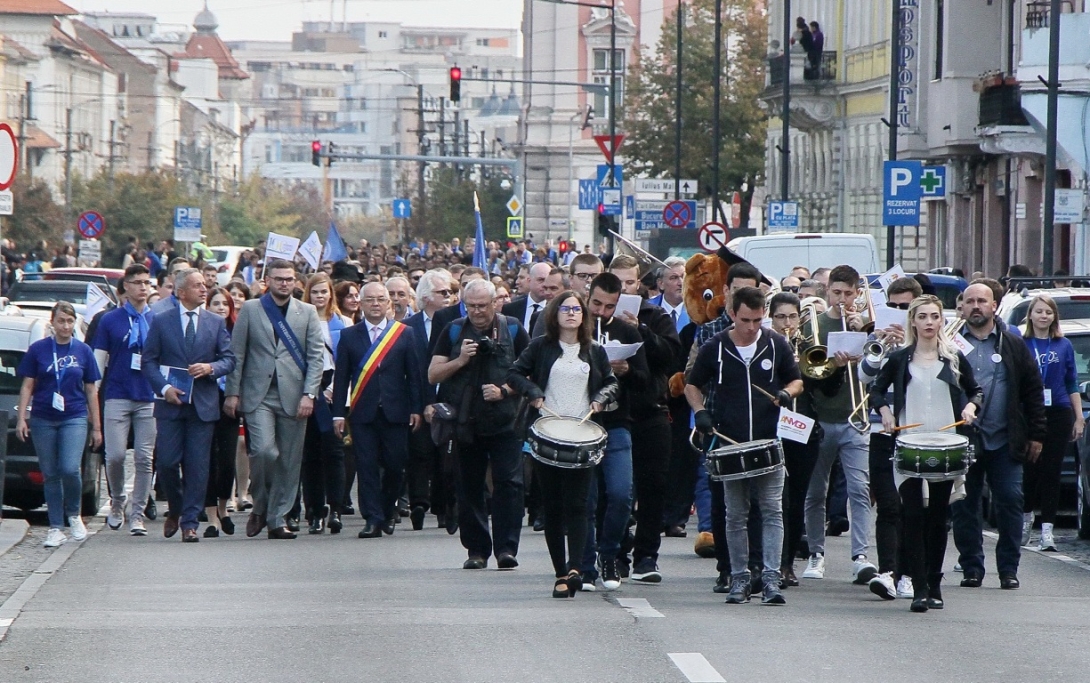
(1055, 359)
(113, 336)
(77, 367)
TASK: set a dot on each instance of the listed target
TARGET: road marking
(696, 668)
(1051, 555)
(639, 607)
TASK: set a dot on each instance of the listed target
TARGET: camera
(485, 346)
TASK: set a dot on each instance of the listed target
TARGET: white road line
(1052, 556)
(696, 668)
(639, 607)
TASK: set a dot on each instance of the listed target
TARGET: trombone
(858, 419)
(814, 361)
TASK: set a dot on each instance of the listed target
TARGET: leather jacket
(530, 375)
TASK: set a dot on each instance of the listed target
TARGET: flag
(480, 255)
(311, 249)
(334, 245)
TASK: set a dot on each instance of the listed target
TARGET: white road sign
(7, 203)
(664, 185)
(712, 236)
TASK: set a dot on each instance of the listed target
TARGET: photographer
(472, 358)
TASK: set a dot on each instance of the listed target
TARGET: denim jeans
(1005, 481)
(854, 451)
(769, 493)
(614, 476)
(59, 445)
(118, 416)
(702, 496)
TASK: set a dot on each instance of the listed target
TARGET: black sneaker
(739, 590)
(611, 579)
(624, 569)
(771, 595)
(722, 583)
(646, 571)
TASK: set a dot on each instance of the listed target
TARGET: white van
(776, 255)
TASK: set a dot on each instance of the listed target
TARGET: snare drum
(936, 456)
(745, 460)
(565, 442)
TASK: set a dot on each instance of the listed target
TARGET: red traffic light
(601, 209)
(316, 152)
(455, 73)
(316, 146)
(455, 84)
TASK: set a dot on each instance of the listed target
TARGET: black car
(23, 478)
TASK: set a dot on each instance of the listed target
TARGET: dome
(205, 21)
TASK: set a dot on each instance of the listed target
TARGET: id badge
(1048, 397)
(58, 402)
(134, 364)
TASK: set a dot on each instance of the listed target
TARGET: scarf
(138, 327)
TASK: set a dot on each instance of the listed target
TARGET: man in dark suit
(185, 420)
(426, 483)
(546, 281)
(377, 383)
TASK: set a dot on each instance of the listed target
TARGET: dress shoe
(440, 520)
(919, 605)
(417, 517)
(506, 561)
(388, 526)
(254, 525)
(371, 531)
(971, 580)
(170, 526)
(228, 526)
(316, 525)
(837, 526)
(151, 510)
(335, 524)
(292, 524)
(282, 534)
(452, 526)
(403, 511)
(676, 531)
(1009, 582)
(539, 523)
(209, 532)
(789, 578)
(348, 509)
(202, 517)
(475, 563)
(722, 584)
(190, 536)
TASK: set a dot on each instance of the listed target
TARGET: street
(400, 608)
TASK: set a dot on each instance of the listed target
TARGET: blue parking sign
(901, 192)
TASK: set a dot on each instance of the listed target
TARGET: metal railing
(1001, 105)
(825, 70)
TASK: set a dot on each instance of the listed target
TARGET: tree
(37, 216)
(260, 207)
(650, 107)
(450, 207)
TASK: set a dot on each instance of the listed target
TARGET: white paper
(890, 275)
(280, 246)
(885, 316)
(618, 351)
(794, 426)
(849, 342)
(877, 297)
(311, 250)
(628, 302)
(96, 301)
(963, 344)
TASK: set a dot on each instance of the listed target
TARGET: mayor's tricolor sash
(373, 359)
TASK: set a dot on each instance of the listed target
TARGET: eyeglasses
(441, 292)
(139, 283)
(376, 300)
(570, 309)
(903, 307)
(478, 307)
(584, 276)
(282, 280)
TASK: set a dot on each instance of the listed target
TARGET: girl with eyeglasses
(566, 373)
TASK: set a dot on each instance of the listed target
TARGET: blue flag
(480, 254)
(334, 246)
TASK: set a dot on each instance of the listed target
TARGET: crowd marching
(570, 387)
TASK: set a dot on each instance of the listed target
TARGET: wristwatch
(310, 396)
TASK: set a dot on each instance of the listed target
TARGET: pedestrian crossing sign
(514, 227)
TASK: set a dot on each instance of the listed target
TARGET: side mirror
(1084, 390)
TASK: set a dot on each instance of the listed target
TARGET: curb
(12, 532)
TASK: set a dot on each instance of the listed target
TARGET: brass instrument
(814, 361)
(875, 350)
(858, 419)
(865, 303)
(953, 327)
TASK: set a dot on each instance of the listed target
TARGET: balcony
(1001, 105)
(813, 89)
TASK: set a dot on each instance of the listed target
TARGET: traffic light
(316, 152)
(604, 222)
(562, 247)
(455, 84)
(330, 159)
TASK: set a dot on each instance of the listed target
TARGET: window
(601, 75)
(940, 27)
(382, 34)
(482, 42)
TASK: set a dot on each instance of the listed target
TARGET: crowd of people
(404, 382)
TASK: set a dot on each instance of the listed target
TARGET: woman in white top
(933, 387)
(567, 374)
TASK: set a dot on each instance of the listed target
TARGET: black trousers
(221, 471)
(381, 448)
(322, 471)
(503, 453)
(924, 532)
(887, 520)
(681, 480)
(421, 471)
(799, 459)
(565, 499)
(650, 470)
(1042, 478)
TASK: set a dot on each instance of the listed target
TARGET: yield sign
(603, 144)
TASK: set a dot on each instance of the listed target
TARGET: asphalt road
(400, 608)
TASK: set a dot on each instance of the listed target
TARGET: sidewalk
(12, 531)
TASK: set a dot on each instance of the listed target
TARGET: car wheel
(1083, 509)
(92, 492)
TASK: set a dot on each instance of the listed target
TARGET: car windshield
(9, 362)
(1070, 309)
(219, 255)
(31, 291)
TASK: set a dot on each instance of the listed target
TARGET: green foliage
(260, 207)
(650, 107)
(450, 207)
(37, 217)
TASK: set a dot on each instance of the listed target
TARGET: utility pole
(113, 131)
(715, 106)
(457, 145)
(785, 114)
(465, 142)
(68, 161)
(420, 166)
(25, 113)
(151, 151)
(677, 105)
(442, 126)
(894, 87)
(612, 94)
(1051, 121)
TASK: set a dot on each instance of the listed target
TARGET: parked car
(36, 297)
(947, 287)
(112, 276)
(1073, 303)
(23, 479)
(775, 255)
(225, 259)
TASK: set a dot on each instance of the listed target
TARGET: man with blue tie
(671, 281)
(194, 342)
(377, 388)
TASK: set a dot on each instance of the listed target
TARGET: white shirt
(371, 333)
(427, 326)
(185, 318)
(746, 352)
(530, 311)
(670, 309)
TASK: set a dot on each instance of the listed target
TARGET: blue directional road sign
(783, 215)
(901, 192)
(933, 183)
(403, 208)
(590, 195)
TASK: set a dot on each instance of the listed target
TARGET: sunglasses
(793, 290)
(903, 307)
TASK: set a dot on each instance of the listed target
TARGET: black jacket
(663, 347)
(963, 389)
(530, 375)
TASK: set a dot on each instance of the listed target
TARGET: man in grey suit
(278, 343)
(196, 341)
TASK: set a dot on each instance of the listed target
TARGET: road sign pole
(894, 93)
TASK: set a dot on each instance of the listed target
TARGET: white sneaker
(136, 526)
(815, 568)
(1047, 543)
(1027, 527)
(116, 517)
(882, 586)
(862, 570)
(904, 587)
(79, 531)
(957, 567)
(54, 538)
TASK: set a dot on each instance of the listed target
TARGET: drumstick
(585, 417)
(543, 408)
(949, 426)
(897, 429)
(724, 437)
(770, 396)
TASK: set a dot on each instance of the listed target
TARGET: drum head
(938, 440)
(568, 430)
(746, 447)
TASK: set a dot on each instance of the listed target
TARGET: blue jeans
(1005, 481)
(702, 497)
(59, 446)
(614, 475)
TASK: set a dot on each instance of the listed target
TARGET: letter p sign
(899, 177)
(901, 193)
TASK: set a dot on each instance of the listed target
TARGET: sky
(277, 19)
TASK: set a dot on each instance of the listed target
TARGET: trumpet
(875, 350)
(814, 361)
